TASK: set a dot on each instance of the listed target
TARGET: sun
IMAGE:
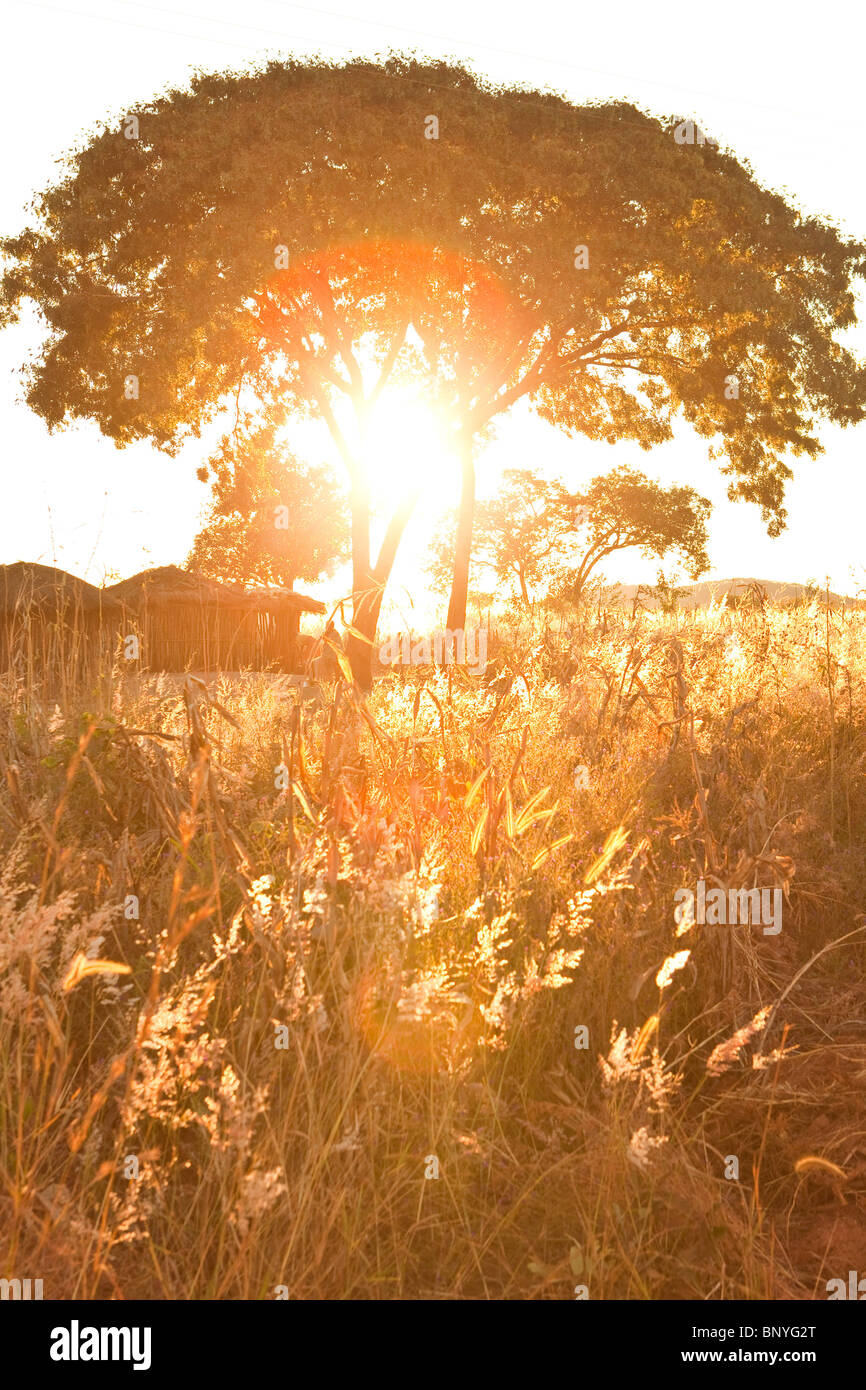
(406, 447)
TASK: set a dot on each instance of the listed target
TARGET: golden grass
(364, 936)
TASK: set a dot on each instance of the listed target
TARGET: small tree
(273, 519)
(625, 509)
(666, 593)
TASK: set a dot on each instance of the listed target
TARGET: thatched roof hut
(52, 624)
(186, 621)
(180, 621)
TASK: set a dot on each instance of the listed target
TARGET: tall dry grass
(363, 942)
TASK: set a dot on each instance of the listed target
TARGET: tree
(625, 509)
(535, 532)
(273, 519)
(667, 594)
(307, 232)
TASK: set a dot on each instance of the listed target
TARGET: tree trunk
(363, 586)
(587, 565)
(524, 592)
(359, 649)
(456, 620)
(368, 588)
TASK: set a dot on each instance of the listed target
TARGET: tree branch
(324, 298)
(388, 365)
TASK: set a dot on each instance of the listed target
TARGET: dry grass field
(405, 1010)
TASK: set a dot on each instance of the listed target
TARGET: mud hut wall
(60, 642)
(209, 637)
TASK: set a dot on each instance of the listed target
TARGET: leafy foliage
(273, 519)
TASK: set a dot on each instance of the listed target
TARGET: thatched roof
(26, 583)
(167, 585)
(164, 585)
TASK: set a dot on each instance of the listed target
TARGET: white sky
(780, 84)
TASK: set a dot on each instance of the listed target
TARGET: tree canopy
(624, 509)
